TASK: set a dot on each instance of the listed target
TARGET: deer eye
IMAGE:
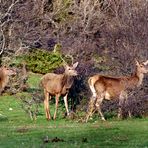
(141, 66)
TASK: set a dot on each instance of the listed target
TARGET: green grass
(18, 131)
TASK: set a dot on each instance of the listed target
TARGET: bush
(40, 61)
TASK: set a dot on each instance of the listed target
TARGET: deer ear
(145, 63)
(75, 65)
(137, 63)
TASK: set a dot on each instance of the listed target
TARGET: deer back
(52, 82)
(109, 85)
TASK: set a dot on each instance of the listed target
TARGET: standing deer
(58, 85)
(106, 87)
(4, 77)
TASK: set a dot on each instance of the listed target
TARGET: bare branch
(71, 57)
(7, 13)
(3, 42)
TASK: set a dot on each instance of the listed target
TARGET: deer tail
(91, 83)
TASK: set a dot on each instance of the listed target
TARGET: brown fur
(106, 87)
(57, 85)
(114, 85)
(4, 77)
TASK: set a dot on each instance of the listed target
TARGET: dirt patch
(56, 139)
(120, 138)
(22, 130)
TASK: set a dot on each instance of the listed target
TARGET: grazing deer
(105, 87)
(58, 85)
(4, 77)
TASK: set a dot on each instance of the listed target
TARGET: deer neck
(140, 77)
(67, 80)
(134, 81)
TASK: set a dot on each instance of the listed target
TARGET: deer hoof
(119, 116)
(103, 119)
(48, 119)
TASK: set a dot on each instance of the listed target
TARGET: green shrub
(39, 61)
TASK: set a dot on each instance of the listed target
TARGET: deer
(4, 77)
(58, 85)
(109, 88)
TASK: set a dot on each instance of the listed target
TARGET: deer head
(70, 70)
(141, 67)
(8, 71)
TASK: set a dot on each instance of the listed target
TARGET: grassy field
(18, 131)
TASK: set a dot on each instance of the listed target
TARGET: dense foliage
(39, 61)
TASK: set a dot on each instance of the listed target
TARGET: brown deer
(58, 85)
(106, 87)
(4, 77)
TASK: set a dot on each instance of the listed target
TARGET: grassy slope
(17, 130)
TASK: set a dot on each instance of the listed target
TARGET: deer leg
(120, 109)
(122, 98)
(56, 106)
(66, 104)
(119, 112)
(91, 109)
(128, 106)
(100, 112)
(98, 106)
(129, 114)
(46, 105)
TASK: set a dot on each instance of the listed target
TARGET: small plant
(30, 103)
